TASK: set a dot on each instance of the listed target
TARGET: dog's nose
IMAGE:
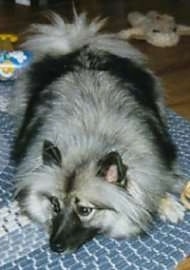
(56, 247)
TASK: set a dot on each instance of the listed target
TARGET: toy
(12, 62)
(157, 29)
(6, 41)
(185, 196)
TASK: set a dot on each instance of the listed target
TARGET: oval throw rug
(23, 245)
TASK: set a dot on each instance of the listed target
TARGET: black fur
(70, 182)
(69, 235)
(163, 142)
(55, 204)
(51, 154)
(41, 75)
(126, 71)
(22, 195)
(50, 68)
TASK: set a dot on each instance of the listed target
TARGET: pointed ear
(51, 154)
(111, 167)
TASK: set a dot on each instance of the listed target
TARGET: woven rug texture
(24, 245)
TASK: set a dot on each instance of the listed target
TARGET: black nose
(56, 247)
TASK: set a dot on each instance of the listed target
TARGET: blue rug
(23, 245)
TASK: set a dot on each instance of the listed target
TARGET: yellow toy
(6, 41)
(157, 29)
(12, 62)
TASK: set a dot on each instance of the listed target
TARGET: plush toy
(157, 29)
(185, 195)
(12, 62)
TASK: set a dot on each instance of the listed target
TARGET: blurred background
(171, 64)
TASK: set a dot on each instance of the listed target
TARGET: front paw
(170, 209)
(185, 196)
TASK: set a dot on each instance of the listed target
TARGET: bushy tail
(61, 37)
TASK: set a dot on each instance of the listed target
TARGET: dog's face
(76, 203)
(83, 207)
(68, 225)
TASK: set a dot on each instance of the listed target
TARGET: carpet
(24, 245)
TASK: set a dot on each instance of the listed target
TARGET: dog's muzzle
(68, 233)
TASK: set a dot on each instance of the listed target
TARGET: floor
(172, 65)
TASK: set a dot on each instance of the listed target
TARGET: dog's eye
(84, 211)
(55, 204)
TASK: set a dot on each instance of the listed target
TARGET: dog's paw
(185, 196)
(170, 209)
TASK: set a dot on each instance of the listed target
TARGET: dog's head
(86, 203)
(77, 202)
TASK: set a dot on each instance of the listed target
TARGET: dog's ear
(112, 168)
(51, 154)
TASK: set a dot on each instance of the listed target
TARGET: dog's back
(86, 87)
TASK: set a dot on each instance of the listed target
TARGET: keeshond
(92, 148)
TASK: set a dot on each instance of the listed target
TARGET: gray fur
(89, 117)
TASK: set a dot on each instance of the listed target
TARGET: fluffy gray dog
(92, 149)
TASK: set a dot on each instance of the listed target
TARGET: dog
(92, 149)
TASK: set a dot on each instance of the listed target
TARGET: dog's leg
(170, 209)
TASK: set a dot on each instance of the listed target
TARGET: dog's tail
(60, 37)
